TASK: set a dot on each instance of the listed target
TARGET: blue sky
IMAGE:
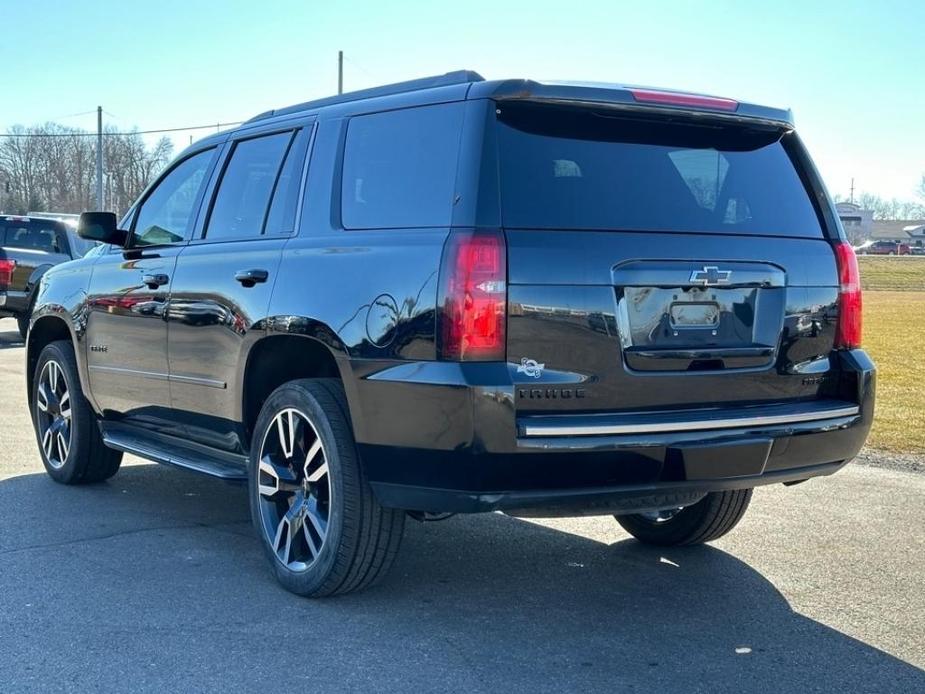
(853, 72)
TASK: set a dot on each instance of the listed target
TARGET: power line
(133, 132)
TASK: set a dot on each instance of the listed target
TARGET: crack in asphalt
(121, 533)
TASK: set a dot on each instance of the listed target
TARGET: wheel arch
(279, 358)
(45, 330)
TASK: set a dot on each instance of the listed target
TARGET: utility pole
(99, 158)
(852, 191)
(340, 72)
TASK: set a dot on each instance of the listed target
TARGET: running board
(170, 451)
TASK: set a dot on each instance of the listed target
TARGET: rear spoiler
(661, 101)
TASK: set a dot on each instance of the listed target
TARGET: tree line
(52, 168)
(891, 208)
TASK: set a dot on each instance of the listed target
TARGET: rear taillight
(6, 271)
(473, 296)
(848, 331)
(655, 96)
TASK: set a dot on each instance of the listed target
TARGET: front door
(126, 330)
(223, 280)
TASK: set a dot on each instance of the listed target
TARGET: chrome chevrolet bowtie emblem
(710, 276)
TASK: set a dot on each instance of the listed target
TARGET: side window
(168, 212)
(281, 218)
(243, 198)
(400, 168)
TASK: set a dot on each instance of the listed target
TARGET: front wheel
(709, 519)
(318, 521)
(69, 439)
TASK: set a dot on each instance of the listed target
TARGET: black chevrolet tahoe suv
(454, 295)
(29, 247)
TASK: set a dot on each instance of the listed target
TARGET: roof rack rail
(450, 78)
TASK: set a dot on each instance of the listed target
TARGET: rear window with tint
(35, 235)
(581, 169)
(400, 168)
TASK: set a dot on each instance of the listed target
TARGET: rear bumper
(434, 437)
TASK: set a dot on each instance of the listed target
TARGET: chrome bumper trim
(686, 425)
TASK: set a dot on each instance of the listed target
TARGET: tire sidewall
(70, 471)
(291, 395)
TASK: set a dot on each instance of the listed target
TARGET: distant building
(858, 223)
(911, 231)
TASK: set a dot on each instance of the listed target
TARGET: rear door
(223, 280)
(660, 263)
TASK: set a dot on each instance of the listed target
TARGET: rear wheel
(69, 440)
(710, 518)
(320, 525)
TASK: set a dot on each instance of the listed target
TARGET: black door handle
(155, 281)
(251, 277)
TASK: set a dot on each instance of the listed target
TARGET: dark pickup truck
(29, 247)
(457, 296)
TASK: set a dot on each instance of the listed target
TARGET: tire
(22, 322)
(710, 518)
(73, 452)
(293, 502)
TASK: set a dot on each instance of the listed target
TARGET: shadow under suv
(454, 295)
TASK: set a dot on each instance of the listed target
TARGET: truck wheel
(710, 518)
(318, 521)
(69, 440)
(22, 322)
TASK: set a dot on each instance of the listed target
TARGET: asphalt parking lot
(154, 582)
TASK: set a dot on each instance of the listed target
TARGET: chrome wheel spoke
(65, 405)
(287, 530)
(48, 442)
(63, 445)
(313, 452)
(42, 398)
(285, 426)
(313, 513)
(314, 546)
(53, 376)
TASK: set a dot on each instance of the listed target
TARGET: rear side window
(400, 168)
(243, 197)
(581, 169)
(281, 217)
(33, 235)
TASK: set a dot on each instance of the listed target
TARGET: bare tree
(52, 167)
(888, 208)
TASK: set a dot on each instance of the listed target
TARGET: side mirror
(102, 227)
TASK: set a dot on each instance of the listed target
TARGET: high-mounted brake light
(654, 96)
(473, 296)
(848, 330)
(6, 271)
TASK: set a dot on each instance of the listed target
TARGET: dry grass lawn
(894, 336)
(884, 272)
